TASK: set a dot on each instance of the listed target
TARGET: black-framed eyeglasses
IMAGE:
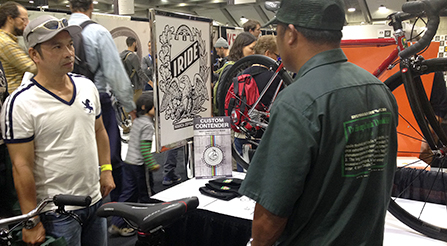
(277, 56)
(52, 25)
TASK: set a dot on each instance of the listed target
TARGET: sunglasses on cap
(52, 25)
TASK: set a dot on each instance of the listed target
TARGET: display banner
(232, 34)
(183, 89)
(212, 147)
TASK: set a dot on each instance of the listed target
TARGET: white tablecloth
(396, 233)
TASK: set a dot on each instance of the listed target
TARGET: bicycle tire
(226, 82)
(425, 118)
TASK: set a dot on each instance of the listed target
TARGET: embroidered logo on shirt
(87, 106)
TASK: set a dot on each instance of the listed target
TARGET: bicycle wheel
(254, 136)
(427, 187)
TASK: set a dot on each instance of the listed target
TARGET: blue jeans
(134, 189)
(170, 164)
(111, 125)
(93, 232)
(238, 143)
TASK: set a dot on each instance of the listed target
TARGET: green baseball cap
(313, 14)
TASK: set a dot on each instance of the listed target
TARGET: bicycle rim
(226, 82)
(428, 187)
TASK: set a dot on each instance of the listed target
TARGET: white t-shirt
(66, 156)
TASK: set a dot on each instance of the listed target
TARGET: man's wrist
(106, 167)
(31, 223)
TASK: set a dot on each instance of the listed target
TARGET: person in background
(266, 45)
(138, 158)
(242, 46)
(133, 67)
(103, 57)
(438, 101)
(169, 175)
(222, 51)
(147, 64)
(311, 178)
(13, 20)
(9, 205)
(253, 27)
(53, 129)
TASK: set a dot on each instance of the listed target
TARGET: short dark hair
(7, 9)
(38, 48)
(242, 39)
(250, 25)
(331, 37)
(80, 5)
(130, 41)
(146, 99)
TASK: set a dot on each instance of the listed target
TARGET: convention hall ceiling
(364, 11)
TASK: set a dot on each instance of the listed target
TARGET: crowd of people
(58, 129)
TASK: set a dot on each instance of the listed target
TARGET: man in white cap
(53, 129)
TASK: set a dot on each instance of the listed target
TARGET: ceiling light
(31, 1)
(351, 10)
(382, 8)
(95, 2)
(182, 4)
(243, 19)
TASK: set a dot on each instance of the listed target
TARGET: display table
(218, 222)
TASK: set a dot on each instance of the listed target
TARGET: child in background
(138, 156)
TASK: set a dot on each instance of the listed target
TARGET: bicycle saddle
(148, 216)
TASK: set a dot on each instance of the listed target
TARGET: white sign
(183, 73)
(212, 147)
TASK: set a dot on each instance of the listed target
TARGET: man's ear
(292, 35)
(33, 54)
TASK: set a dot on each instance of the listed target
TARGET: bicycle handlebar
(58, 200)
(431, 9)
(62, 200)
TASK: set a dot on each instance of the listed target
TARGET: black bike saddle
(148, 216)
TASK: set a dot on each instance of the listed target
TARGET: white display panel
(183, 72)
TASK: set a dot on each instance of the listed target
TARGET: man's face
(20, 22)
(149, 47)
(57, 54)
(257, 31)
(220, 52)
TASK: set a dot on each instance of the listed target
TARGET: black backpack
(130, 71)
(80, 64)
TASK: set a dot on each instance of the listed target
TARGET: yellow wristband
(106, 167)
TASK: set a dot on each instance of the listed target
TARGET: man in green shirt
(323, 172)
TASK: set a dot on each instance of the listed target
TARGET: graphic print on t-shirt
(367, 139)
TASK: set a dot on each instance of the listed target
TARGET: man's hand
(107, 183)
(34, 236)
(151, 83)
